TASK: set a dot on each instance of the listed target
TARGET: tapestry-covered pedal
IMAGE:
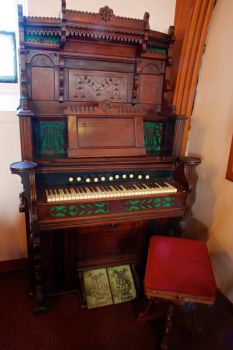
(107, 286)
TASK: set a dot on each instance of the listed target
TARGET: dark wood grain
(229, 174)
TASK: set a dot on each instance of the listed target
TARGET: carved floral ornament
(106, 106)
(105, 13)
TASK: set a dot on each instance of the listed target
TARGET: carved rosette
(105, 13)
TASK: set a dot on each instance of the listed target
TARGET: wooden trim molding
(13, 265)
(192, 19)
(177, 298)
(183, 13)
(229, 174)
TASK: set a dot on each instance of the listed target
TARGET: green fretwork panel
(153, 136)
(79, 209)
(49, 138)
(168, 202)
(158, 50)
(151, 203)
(42, 39)
(59, 211)
(154, 47)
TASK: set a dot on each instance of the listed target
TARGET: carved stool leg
(165, 341)
(191, 320)
(150, 301)
(145, 315)
(198, 327)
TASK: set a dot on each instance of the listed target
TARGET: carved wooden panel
(87, 85)
(150, 89)
(100, 49)
(42, 83)
(107, 240)
(151, 82)
(40, 60)
(99, 136)
(106, 132)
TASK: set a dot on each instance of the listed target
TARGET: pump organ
(100, 144)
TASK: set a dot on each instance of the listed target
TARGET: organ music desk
(101, 166)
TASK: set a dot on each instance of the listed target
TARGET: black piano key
(81, 190)
(144, 186)
(140, 186)
(77, 190)
(69, 190)
(154, 185)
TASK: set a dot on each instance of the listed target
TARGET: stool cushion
(179, 266)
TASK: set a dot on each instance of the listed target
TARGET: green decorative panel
(42, 39)
(152, 49)
(151, 203)
(153, 136)
(79, 210)
(154, 46)
(49, 138)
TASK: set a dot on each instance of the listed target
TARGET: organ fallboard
(100, 141)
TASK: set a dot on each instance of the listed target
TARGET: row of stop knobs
(110, 178)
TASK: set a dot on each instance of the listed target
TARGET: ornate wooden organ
(100, 144)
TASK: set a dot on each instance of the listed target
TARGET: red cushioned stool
(180, 271)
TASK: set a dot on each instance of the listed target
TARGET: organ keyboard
(80, 193)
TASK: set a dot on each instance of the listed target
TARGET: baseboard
(13, 265)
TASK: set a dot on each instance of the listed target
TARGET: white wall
(161, 11)
(210, 138)
(12, 230)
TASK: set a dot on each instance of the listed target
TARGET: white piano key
(67, 195)
(48, 196)
(108, 191)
